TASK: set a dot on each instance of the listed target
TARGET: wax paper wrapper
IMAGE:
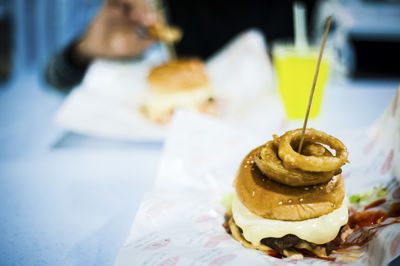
(180, 222)
(108, 101)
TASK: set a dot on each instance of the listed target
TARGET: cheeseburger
(179, 83)
(288, 203)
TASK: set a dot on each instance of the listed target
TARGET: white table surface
(67, 199)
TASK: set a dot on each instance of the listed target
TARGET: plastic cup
(295, 72)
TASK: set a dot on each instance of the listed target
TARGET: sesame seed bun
(271, 200)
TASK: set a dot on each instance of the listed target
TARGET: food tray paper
(180, 221)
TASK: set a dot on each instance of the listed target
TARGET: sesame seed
(290, 201)
(280, 203)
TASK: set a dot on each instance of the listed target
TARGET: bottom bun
(160, 107)
(289, 246)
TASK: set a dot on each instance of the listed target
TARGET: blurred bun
(271, 200)
(178, 75)
(179, 83)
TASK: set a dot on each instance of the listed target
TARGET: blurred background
(69, 199)
(34, 30)
(366, 32)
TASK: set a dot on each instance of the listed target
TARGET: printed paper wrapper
(180, 222)
(108, 101)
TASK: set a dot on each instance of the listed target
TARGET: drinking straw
(300, 26)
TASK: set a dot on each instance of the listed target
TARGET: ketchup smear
(274, 254)
(371, 218)
(374, 204)
(362, 226)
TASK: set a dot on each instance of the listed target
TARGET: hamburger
(179, 83)
(271, 215)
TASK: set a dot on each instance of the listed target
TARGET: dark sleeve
(62, 72)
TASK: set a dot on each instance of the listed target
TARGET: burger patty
(282, 243)
(290, 241)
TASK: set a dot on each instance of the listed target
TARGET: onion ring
(270, 165)
(311, 163)
(315, 149)
(309, 148)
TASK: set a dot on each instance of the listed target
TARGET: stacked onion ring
(279, 161)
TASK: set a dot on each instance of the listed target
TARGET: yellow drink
(295, 71)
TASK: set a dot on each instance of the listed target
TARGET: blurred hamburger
(179, 83)
(288, 221)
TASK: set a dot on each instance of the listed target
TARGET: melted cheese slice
(159, 103)
(318, 230)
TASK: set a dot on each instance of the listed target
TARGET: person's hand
(116, 31)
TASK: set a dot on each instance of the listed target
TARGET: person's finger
(114, 3)
(128, 49)
(138, 12)
(143, 12)
(152, 18)
(142, 32)
(129, 41)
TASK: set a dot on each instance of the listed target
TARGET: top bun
(178, 75)
(271, 200)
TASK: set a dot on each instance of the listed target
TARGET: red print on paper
(280, 263)
(371, 143)
(387, 165)
(158, 208)
(157, 244)
(395, 245)
(222, 260)
(215, 240)
(170, 261)
(395, 104)
(212, 243)
(205, 218)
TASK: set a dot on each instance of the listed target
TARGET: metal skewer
(321, 51)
